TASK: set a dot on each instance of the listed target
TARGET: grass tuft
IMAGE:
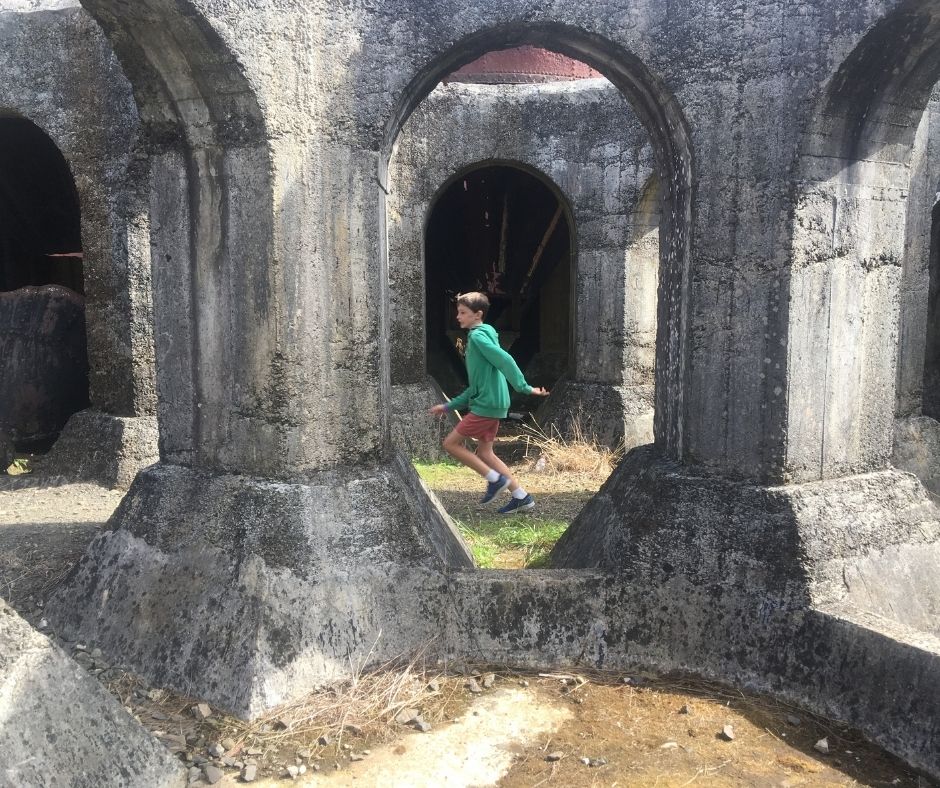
(579, 453)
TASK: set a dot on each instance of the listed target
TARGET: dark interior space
(40, 229)
(43, 358)
(931, 404)
(502, 231)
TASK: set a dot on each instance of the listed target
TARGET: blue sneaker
(494, 488)
(518, 505)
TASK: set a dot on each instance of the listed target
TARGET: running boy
(489, 367)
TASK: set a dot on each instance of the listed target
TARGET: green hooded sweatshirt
(488, 367)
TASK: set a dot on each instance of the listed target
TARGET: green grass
(494, 540)
(444, 473)
(533, 537)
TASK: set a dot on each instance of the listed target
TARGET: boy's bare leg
(488, 456)
(453, 445)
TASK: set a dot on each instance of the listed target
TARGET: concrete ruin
(763, 538)
(604, 174)
(61, 77)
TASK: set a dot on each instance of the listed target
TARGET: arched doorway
(504, 231)
(40, 228)
(43, 355)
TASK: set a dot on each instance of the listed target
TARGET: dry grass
(330, 723)
(579, 453)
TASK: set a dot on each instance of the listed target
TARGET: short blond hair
(475, 302)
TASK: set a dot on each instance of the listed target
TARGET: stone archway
(600, 169)
(660, 114)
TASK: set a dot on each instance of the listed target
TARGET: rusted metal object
(43, 362)
(522, 65)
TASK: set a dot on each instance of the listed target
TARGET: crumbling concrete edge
(59, 727)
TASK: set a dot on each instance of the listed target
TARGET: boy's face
(466, 318)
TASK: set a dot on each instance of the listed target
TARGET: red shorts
(478, 427)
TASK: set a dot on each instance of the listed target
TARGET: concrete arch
(663, 118)
(515, 164)
(205, 135)
(848, 235)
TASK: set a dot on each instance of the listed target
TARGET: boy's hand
(540, 392)
(437, 410)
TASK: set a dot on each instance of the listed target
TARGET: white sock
(520, 493)
(491, 475)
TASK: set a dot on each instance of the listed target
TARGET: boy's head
(471, 309)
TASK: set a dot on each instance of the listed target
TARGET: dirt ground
(632, 730)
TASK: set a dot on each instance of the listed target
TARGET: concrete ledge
(872, 673)
(59, 727)
(101, 448)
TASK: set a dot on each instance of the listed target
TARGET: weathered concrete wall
(600, 169)
(60, 73)
(59, 727)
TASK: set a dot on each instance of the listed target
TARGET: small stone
(229, 744)
(822, 746)
(669, 745)
(793, 720)
(488, 680)
(292, 772)
(324, 741)
(422, 726)
(80, 647)
(523, 683)
(195, 773)
(249, 773)
(347, 747)
(585, 761)
(475, 673)
(304, 752)
(43, 624)
(302, 769)
(315, 767)
(159, 715)
(356, 756)
(253, 752)
(686, 709)
(473, 687)
(216, 750)
(212, 773)
(406, 716)
(595, 762)
(201, 711)
(96, 653)
(727, 733)
(434, 686)
(555, 756)
(229, 761)
(355, 730)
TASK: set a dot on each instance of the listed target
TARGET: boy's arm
(505, 363)
(460, 401)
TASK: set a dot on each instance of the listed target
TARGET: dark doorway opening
(40, 224)
(43, 358)
(503, 231)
